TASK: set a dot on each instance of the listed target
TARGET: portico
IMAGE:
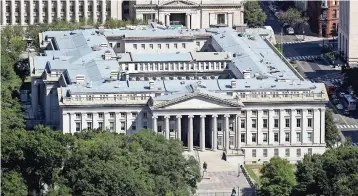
(189, 117)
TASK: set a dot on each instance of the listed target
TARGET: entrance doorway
(177, 19)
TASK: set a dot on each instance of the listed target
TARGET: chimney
(233, 83)
(80, 79)
(107, 55)
(151, 84)
(246, 74)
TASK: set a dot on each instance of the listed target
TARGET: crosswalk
(329, 45)
(335, 78)
(293, 42)
(354, 144)
(303, 58)
(347, 126)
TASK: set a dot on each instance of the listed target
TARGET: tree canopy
(278, 178)
(292, 16)
(254, 16)
(332, 136)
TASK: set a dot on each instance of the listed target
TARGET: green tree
(332, 136)
(292, 16)
(334, 32)
(104, 163)
(333, 173)
(12, 183)
(254, 16)
(38, 155)
(278, 178)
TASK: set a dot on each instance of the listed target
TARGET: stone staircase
(215, 162)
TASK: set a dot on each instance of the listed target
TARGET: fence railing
(252, 183)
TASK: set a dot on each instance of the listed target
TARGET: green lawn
(251, 169)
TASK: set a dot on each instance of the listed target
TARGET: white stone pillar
(49, 11)
(178, 127)
(237, 132)
(94, 11)
(12, 14)
(106, 121)
(40, 11)
(304, 126)
(68, 10)
(187, 18)
(293, 125)
(128, 123)
(95, 120)
(155, 124)
(3, 13)
(167, 130)
(190, 133)
(202, 132)
(282, 127)
(323, 126)
(167, 20)
(259, 125)
(58, 9)
(85, 10)
(103, 11)
(22, 12)
(83, 121)
(65, 124)
(215, 133)
(118, 122)
(77, 11)
(227, 132)
(316, 126)
(230, 19)
(72, 123)
(31, 5)
(271, 122)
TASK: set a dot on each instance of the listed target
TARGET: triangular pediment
(178, 3)
(196, 101)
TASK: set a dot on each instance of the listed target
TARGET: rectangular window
(100, 125)
(287, 112)
(309, 122)
(287, 137)
(111, 114)
(183, 45)
(287, 123)
(78, 126)
(298, 137)
(231, 141)
(220, 141)
(298, 122)
(265, 123)
(118, 45)
(264, 139)
(276, 137)
(253, 152)
(276, 125)
(254, 137)
(287, 152)
(243, 138)
(309, 151)
(276, 152)
(265, 153)
(167, 45)
(78, 116)
(197, 43)
(254, 113)
(135, 46)
(111, 126)
(134, 114)
(160, 46)
(243, 113)
(277, 112)
(123, 114)
(123, 125)
(254, 123)
(298, 112)
(220, 18)
(243, 123)
(143, 46)
(265, 112)
(134, 127)
(298, 152)
(151, 46)
(334, 13)
(309, 112)
(89, 125)
(219, 127)
(309, 136)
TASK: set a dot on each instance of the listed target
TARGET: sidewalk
(311, 38)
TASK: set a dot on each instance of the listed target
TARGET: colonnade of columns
(190, 123)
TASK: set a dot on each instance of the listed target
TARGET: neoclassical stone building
(195, 14)
(214, 89)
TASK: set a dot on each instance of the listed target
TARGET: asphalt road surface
(353, 135)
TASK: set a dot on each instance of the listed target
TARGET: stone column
(227, 132)
(3, 13)
(128, 123)
(72, 123)
(167, 130)
(155, 124)
(316, 126)
(58, 9)
(202, 132)
(178, 127)
(323, 126)
(95, 120)
(40, 12)
(65, 125)
(85, 10)
(215, 133)
(117, 122)
(103, 11)
(49, 12)
(190, 133)
(77, 11)
(106, 121)
(22, 11)
(83, 121)
(187, 21)
(237, 133)
(293, 127)
(94, 11)
(167, 21)
(12, 14)
(271, 126)
(282, 127)
(68, 10)
(304, 126)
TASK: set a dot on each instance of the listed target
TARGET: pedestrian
(233, 193)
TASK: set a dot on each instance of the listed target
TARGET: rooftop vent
(273, 86)
(216, 53)
(107, 55)
(178, 52)
(80, 79)
(119, 57)
(96, 48)
(89, 85)
(182, 82)
(247, 74)
(114, 75)
(233, 83)
(151, 84)
(247, 86)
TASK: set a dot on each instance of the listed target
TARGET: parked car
(335, 101)
(346, 112)
(293, 61)
(341, 94)
(290, 31)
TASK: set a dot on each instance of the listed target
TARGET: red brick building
(324, 16)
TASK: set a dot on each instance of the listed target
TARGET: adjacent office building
(348, 31)
(216, 88)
